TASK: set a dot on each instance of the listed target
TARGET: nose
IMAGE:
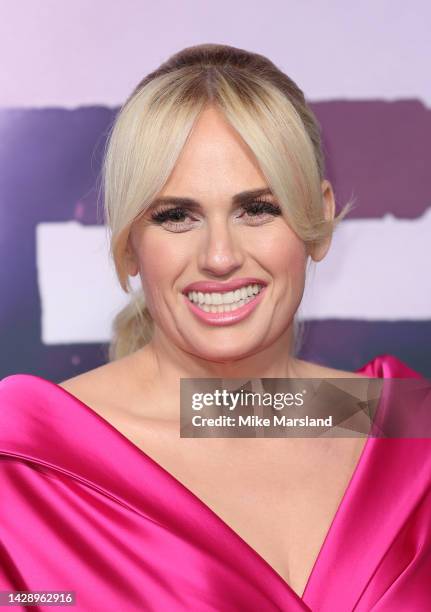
(221, 254)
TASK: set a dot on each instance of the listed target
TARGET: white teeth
(226, 301)
(228, 298)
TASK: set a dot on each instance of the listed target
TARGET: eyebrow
(241, 198)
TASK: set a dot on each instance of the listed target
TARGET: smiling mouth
(228, 301)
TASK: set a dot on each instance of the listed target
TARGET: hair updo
(269, 112)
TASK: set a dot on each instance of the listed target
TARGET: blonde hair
(269, 112)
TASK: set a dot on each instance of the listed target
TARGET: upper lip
(214, 286)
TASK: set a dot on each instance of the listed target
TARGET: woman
(215, 196)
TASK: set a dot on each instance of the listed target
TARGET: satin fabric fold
(84, 509)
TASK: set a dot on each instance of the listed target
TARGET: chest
(279, 495)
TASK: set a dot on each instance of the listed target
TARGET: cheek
(159, 260)
(283, 254)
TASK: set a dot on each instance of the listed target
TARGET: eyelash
(171, 214)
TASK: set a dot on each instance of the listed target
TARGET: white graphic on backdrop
(370, 273)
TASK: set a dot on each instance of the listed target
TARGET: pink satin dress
(84, 509)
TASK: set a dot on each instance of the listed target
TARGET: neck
(165, 364)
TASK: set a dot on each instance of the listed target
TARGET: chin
(220, 351)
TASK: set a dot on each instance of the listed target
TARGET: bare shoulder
(96, 378)
(110, 386)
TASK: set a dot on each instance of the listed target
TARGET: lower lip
(226, 318)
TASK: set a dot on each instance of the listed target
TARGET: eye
(174, 219)
(260, 210)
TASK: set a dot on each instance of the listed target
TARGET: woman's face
(218, 238)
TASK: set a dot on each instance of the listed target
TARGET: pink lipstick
(214, 286)
(233, 309)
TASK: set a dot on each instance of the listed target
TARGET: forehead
(214, 159)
